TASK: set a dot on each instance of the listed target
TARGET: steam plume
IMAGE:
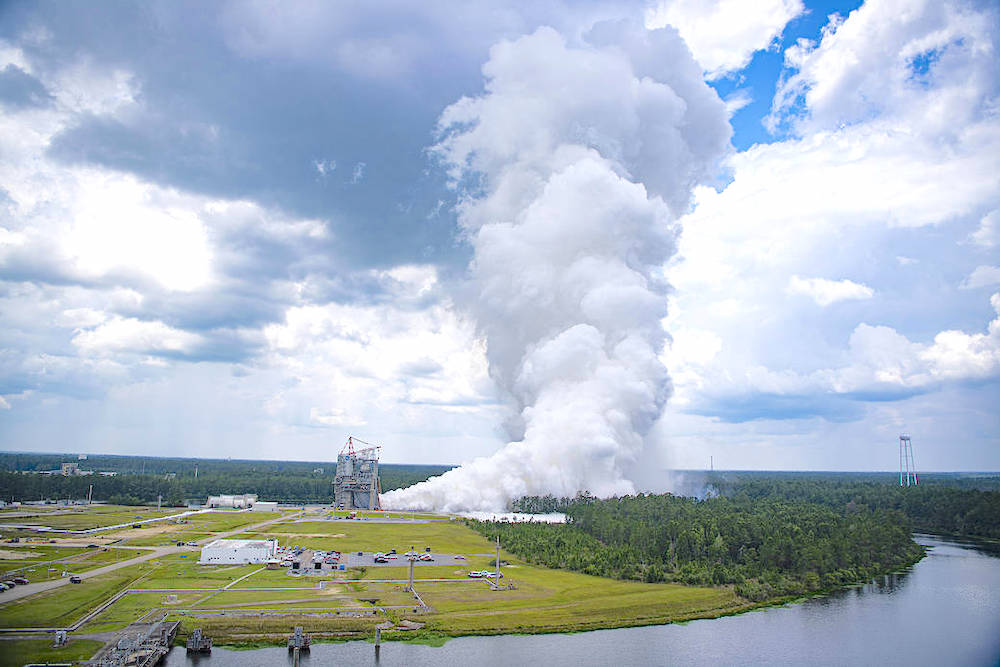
(582, 155)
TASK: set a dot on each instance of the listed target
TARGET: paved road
(30, 589)
(42, 586)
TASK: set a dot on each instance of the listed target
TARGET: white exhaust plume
(583, 156)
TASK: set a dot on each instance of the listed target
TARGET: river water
(945, 611)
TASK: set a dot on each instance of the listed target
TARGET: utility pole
(90, 494)
(159, 501)
(497, 573)
(711, 464)
(196, 471)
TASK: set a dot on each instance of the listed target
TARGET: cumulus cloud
(723, 35)
(898, 59)
(132, 335)
(890, 165)
(988, 233)
(584, 152)
(824, 292)
(983, 276)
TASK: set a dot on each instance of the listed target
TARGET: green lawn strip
(176, 572)
(572, 603)
(246, 631)
(86, 519)
(68, 559)
(134, 605)
(442, 537)
(14, 653)
(64, 605)
(172, 534)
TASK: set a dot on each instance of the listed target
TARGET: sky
(251, 229)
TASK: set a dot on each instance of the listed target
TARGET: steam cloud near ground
(577, 159)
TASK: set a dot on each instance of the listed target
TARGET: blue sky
(251, 229)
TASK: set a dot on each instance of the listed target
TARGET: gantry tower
(356, 486)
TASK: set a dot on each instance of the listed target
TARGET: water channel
(945, 611)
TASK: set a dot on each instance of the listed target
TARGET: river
(945, 611)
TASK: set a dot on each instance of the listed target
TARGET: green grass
(85, 519)
(544, 600)
(65, 605)
(14, 653)
(132, 606)
(442, 536)
(177, 572)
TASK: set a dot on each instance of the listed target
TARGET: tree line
(765, 547)
(175, 481)
(959, 504)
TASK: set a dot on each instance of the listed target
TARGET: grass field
(441, 536)
(94, 517)
(62, 606)
(541, 600)
(64, 559)
(14, 653)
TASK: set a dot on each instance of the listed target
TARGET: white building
(241, 552)
(265, 507)
(233, 502)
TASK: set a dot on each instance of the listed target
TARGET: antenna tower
(906, 467)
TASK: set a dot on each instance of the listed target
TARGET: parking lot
(367, 559)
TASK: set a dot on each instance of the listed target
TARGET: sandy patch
(20, 554)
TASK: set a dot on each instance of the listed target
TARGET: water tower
(906, 466)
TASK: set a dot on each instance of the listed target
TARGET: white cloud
(824, 292)
(136, 336)
(929, 63)
(723, 35)
(988, 233)
(983, 276)
(352, 356)
(848, 195)
(737, 100)
(4, 405)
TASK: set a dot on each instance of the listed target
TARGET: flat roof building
(239, 552)
(245, 501)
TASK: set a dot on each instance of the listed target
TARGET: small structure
(265, 507)
(299, 640)
(245, 501)
(356, 486)
(60, 639)
(241, 552)
(199, 643)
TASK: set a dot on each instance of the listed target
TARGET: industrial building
(265, 507)
(356, 486)
(245, 501)
(240, 552)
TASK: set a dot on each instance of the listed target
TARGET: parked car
(3, 587)
(9, 583)
(426, 557)
(75, 580)
(475, 574)
(92, 546)
(20, 580)
(192, 544)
